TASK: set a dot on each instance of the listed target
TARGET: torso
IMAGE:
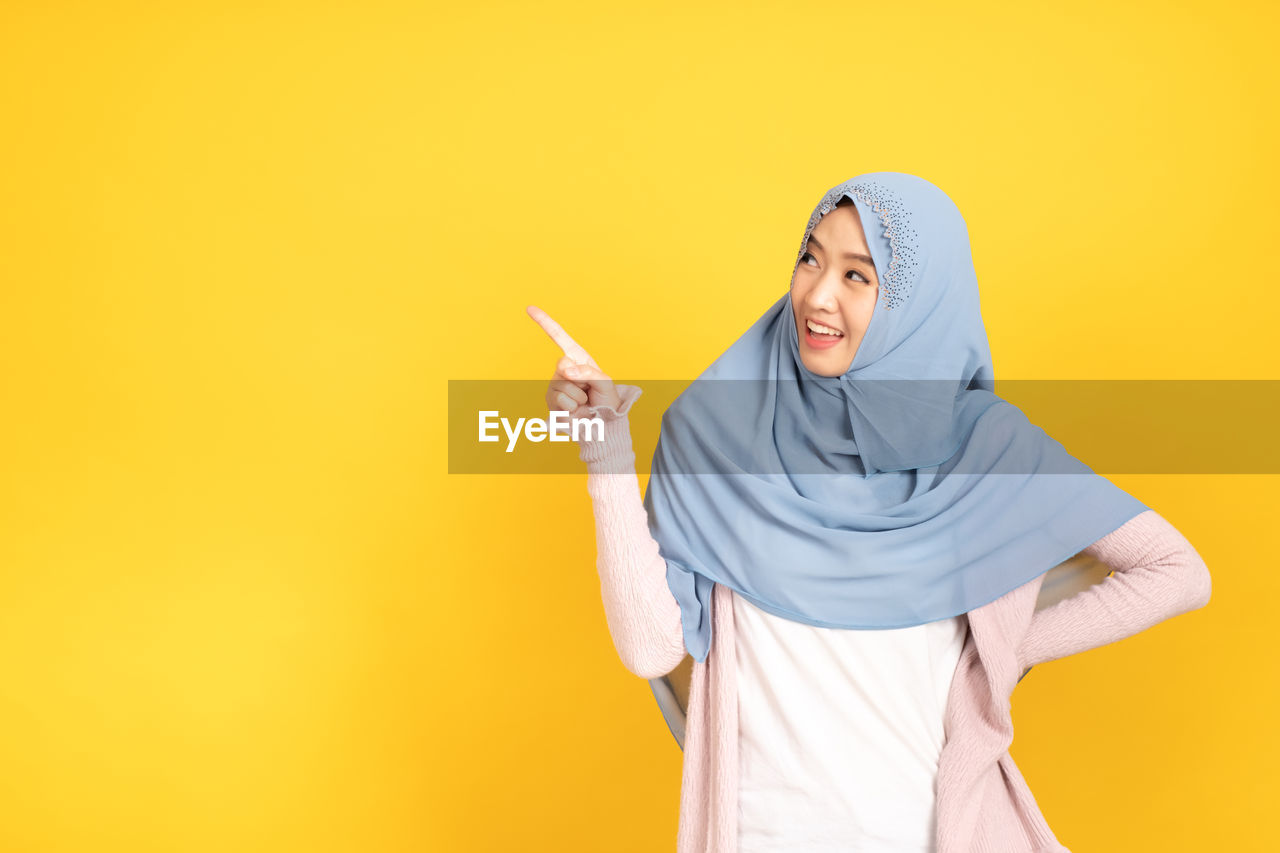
(840, 733)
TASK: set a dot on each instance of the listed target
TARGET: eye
(860, 277)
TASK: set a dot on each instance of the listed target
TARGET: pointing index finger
(568, 345)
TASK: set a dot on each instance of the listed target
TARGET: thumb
(588, 373)
(584, 373)
(596, 380)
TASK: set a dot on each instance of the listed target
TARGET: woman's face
(833, 292)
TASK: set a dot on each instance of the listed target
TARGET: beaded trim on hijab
(896, 220)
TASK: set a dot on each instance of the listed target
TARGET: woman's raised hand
(578, 380)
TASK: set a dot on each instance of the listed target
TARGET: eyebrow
(851, 255)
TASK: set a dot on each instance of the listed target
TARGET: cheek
(858, 316)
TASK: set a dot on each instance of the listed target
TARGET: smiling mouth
(823, 333)
(820, 337)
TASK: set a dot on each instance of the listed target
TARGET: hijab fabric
(902, 492)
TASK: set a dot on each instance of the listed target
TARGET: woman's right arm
(643, 615)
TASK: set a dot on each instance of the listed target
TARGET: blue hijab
(902, 492)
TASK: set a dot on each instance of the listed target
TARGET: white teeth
(820, 329)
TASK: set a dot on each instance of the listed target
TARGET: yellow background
(245, 245)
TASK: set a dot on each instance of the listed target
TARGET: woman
(863, 528)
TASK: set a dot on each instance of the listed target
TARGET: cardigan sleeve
(643, 615)
(1156, 574)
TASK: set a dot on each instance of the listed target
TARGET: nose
(823, 295)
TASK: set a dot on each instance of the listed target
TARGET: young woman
(849, 533)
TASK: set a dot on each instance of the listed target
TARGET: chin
(827, 366)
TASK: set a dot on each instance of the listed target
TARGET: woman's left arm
(1157, 574)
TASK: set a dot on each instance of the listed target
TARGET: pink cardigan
(983, 803)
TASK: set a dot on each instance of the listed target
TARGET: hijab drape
(902, 492)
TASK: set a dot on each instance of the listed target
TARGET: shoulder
(1002, 419)
(1002, 433)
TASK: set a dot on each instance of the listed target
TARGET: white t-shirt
(839, 733)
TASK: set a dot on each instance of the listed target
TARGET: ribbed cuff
(613, 453)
